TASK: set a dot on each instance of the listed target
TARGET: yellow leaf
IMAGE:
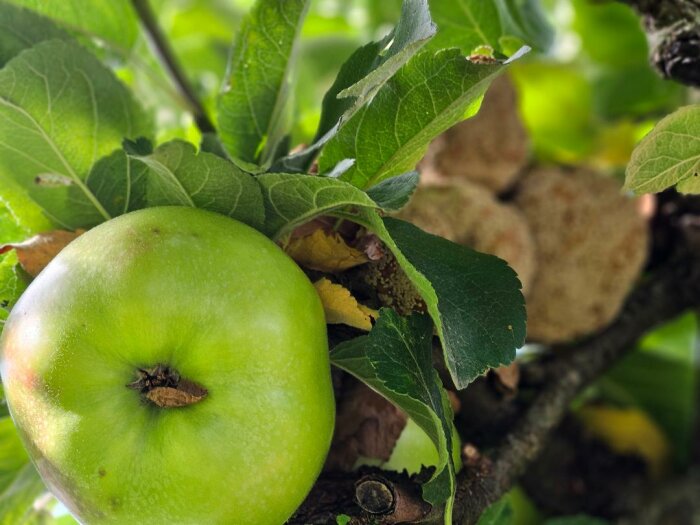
(628, 431)
(325, 252)
(342, 308)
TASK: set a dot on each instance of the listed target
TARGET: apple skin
(213, 299)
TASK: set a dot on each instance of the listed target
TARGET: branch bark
(674, 30)
(671, 290)
(166, 56)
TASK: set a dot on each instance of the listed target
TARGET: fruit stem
(163, 386)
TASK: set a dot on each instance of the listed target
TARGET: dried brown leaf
(36, 253)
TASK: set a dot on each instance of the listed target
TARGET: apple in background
(171, 367)
(413, 450)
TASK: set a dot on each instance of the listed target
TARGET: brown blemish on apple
(101, 472)
(163, 386)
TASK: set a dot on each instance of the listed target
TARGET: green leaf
(20, 484)
(668, 156)
(500, 513)
(661, 377)
(414, 29)
(427, 96)
(365, 72)
(393, 194)
(20, 218)
(16, 501)
(12, 454)
(466, 24)
(60, 111)
(114, 22)
(527, 21)
(177, 175)
(395, 359)
(21, 29)
(253, 106)
(293, 199)
(576, 520)
(473, 298)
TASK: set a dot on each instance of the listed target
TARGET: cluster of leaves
(77, 149)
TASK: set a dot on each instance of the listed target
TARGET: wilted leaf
(342, 308)
(395, 359)
(324, 251)
(668, 156)
(36, 253)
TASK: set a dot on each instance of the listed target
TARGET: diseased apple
(171, 367)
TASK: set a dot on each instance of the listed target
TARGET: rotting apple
(171, 366)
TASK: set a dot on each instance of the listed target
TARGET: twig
(166, 56)
(673, 289)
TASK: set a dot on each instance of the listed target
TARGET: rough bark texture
(674, 31)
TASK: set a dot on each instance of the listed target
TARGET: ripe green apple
(171, 367)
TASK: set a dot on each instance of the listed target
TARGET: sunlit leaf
(60, 111)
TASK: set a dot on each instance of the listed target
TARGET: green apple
(171, 367)
(413, 450)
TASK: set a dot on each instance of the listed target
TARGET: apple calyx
(163, 386)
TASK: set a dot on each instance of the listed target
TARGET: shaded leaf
(36, 253)
(500, 513)
(526, 20)
(466, 24)
(661, 378)
(20, 29)
(668, 156)
(474, 298)
(628, 431)
(395, 359)
(61, 104)
(114, 22)
(324, 251)
(342, 308)
(293, 199)
(427, 96)
(393, 194)
(253, 105)
(576, 520)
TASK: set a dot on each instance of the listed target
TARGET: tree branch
(674, 30)
(165, 55)
(666, 295)
(673, 289)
